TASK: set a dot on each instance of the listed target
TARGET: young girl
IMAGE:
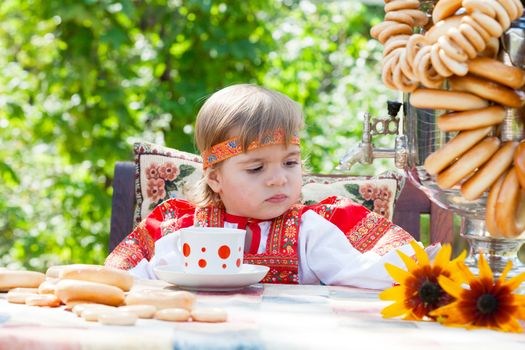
(248, 138)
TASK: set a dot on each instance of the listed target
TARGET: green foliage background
(83, 79)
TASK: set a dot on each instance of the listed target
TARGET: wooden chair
(411, 204)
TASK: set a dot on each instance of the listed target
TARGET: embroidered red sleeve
(364, 229)
(341, 212)
(167, 217)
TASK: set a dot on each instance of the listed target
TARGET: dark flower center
(430, 292)
(487, 304)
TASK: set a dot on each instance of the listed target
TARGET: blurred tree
(83, 79)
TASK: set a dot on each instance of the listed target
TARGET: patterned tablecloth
(260, 317)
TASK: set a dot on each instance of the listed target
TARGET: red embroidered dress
(365, 230)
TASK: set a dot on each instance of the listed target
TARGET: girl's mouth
(278, 198)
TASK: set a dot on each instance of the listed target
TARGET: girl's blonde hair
(245, 111)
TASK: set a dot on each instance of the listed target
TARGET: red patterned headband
(231, 147)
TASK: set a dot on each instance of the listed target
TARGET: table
(262, 316)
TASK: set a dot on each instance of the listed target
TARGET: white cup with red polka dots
(212, 250)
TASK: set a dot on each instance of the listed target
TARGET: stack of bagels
(103, 294)
(459, 47)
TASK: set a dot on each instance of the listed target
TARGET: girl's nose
(278, 178)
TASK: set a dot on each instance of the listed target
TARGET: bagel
(70, 305)
(477, 28)
(392, 30)
(10, 279)
(209, 315)
(457, 67)
(488, 23)
(497, 71)
(468, 162)
(419, 17)
(71, 290)
(452, 49)
(173, 315)
(509, 220)
(400, 17)
(443, 99)
(444, 9)
(48, 300)
(462, 42)
(473, 119)
(19, 295)
(441, 28)
(490, 211)
(519, 163)
(486, 89)
(455, 148)
(438, 65)
(47, 287)
(142, 311)
(483, 179)
(99, 274)
(479, 5)
(92, 314)
(395, 5)
(161, 299)
(54, 271)
(117, 318)
(79, 308)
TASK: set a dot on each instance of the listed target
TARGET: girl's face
(260, 184)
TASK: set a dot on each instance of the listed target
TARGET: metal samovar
(420, 136)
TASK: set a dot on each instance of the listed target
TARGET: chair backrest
(411, 204)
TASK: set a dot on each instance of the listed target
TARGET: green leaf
(8, 174)
(353, 189)
(171, 186)
(185, 170)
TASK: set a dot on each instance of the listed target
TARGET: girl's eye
(291, 163)
(254, 170)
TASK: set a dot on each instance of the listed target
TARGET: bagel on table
(10, 279)
(85, 291)
(100, 274)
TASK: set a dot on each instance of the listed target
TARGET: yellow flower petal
(421, 255)
(506, 270)
(460, 258)
(519, 300)
(484, 269)
(394, 310)
(398, 274)
(411, 317)
(394, 293)
(450, 286)
(409, 262)
(443, 256)
(465, 271)
(510, 326)
(515, 281)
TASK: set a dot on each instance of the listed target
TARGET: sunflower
(418, 291)
(486, 303)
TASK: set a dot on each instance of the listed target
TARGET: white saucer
(248, 274)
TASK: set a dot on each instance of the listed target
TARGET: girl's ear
(214, 180)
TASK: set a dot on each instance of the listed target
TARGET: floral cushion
(163, 173)
(377, 193)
